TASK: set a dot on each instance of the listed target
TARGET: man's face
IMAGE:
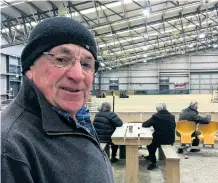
(65, 86)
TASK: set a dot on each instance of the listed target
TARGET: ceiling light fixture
(191, 45)
(201, 35)
(146, 12)
(215, 45)
(102, 64)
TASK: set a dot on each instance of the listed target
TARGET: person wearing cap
(164, 126)
(42, 141)
(191, 114)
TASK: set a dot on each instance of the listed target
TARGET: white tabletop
(137, 132)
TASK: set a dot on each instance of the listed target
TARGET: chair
(185, 129)
(208, 132)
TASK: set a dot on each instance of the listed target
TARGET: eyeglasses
(65, 62)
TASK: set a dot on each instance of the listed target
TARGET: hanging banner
(180, 85)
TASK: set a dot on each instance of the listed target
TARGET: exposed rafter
(123, 33)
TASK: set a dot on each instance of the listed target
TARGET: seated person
(164, 125)
(191, 114)
(105, 123)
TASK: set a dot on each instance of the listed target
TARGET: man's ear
(29, 74)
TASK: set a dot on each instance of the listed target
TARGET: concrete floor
(145, 176)
(201, 167)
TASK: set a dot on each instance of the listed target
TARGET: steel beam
(110, 9)
(84, 17)
(37, 9)
(54, 8)
(175, 4)
(138, 4)
(16, 9)
(109, 24)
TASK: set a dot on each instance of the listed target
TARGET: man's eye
(86, 65)
(62, 60)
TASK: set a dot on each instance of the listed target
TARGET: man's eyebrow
(66, 51)
(88, 56)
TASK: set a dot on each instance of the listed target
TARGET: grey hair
(105, 106)
(161, 106)
(193, 104)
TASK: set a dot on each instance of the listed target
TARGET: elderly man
(191, 114)
(164, 126)
(42, 142)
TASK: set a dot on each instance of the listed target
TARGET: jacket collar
(32, 100)
(164, 111)
(191, 108)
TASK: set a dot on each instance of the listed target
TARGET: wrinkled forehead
(71, 49)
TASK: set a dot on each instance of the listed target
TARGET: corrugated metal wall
(200, 73)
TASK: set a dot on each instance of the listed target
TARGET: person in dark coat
(41, 139)
(105, 123)
(164, 125)
(191, 114)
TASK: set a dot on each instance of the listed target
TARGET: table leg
(132, 164)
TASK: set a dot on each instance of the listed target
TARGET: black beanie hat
(56, 31)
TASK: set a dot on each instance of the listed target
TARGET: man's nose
(76, 72)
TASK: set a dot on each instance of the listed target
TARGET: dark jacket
(164, 126)
(105, 124)
(191, 114)
(39, 146)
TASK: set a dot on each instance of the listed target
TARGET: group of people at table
(47, 135)
(162, 121)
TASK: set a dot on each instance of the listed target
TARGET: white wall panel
(203, 66)
(13, 50)
(117, 74)
(13, 61)
(144, 80)
(123, 80)
(3, 63)
(177, 70)
(180, 63)
(144, 73)
(104, 87)
(205, 91)
(214, 75)
(3, 87)
(204, 62)
(144, 87)
(122, 87)
(181, 79)
(194, 91)
(203, 59)
(104, 80)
